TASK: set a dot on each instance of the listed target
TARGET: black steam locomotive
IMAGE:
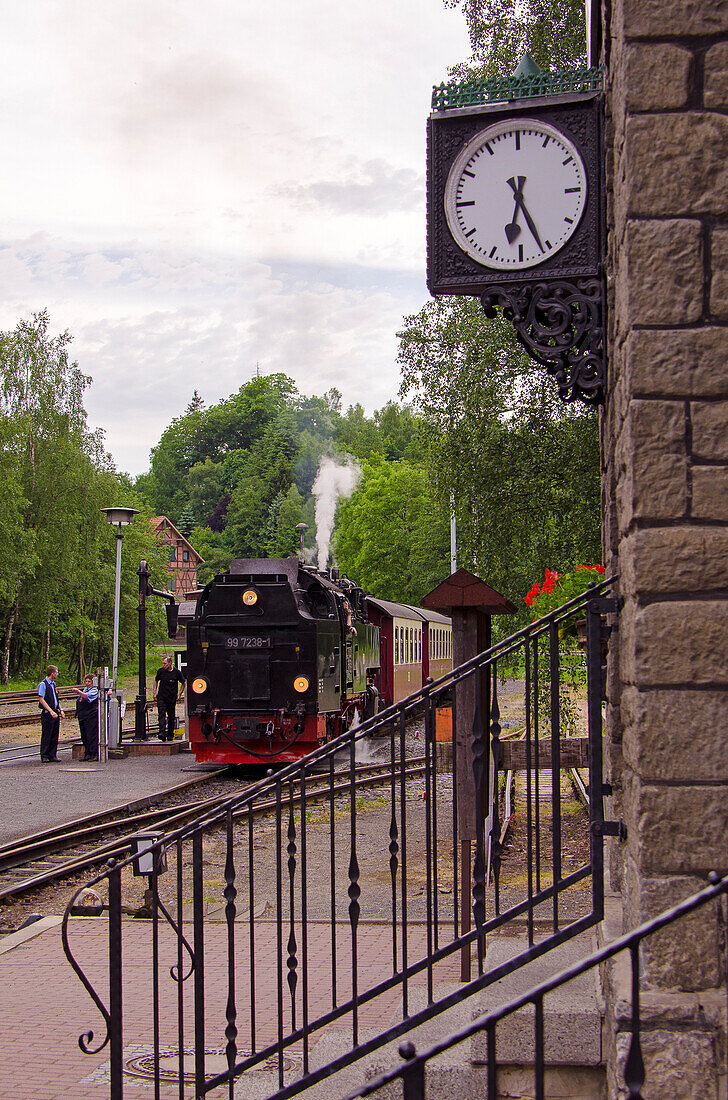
(279, 659)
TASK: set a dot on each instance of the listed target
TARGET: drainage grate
(142, 1065)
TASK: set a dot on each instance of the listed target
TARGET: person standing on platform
(167, 695)
(51, 713)
(87, 712)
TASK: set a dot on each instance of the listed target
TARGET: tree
(521, 467)
(501, 31)
(392, 535)
(57, 579)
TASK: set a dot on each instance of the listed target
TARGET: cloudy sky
(196, 190)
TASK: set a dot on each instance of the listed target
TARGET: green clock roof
(470, 93)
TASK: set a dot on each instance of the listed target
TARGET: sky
(201, 191)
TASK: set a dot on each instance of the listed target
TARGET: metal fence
(413, 1072)
(305, 907)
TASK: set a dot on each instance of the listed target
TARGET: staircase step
(572, 1013)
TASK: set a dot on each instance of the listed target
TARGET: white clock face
(515, 194)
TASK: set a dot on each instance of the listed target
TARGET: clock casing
(454, 136)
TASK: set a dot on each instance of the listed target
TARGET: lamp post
(118, 517)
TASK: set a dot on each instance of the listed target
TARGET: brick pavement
(45, 1008)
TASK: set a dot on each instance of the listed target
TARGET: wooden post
(471, 603)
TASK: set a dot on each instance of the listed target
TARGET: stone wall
(665, 477)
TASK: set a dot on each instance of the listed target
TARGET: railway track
(52, 855)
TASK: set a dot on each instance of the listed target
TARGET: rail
(305, 905)
(413, 1072)
(23, 863)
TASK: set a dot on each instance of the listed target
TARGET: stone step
(572, 1028)
(572, 1013)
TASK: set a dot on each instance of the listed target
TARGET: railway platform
(36, 796)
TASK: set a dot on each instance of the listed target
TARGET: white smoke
(333, 481)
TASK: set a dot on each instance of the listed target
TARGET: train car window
(396, 645)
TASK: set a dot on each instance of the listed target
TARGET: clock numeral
(470, 233)
(569, 220)
(517, 136)
(547, 140)
(467, 173)
(548, 244)
(567, 161)
(520, 253)
(466, 202)
(492, 252)
(489, 148)
(572, 190)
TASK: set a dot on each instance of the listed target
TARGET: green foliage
(559, 588)
(522, 468)
(502, 31)
(392, 535)
(58, 551)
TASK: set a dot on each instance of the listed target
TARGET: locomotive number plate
(248, 641)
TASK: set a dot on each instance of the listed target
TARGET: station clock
(515, 216)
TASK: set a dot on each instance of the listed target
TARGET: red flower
(532, 595)
(550, 580)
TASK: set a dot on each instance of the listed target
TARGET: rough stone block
(685, 955)
(677, 1066)
(674, 830)
(655, 18)
(675, 735)
(710, 430)
(715, 79)
(719, 281)
(675, 362)
(652, 463)
(681, 644)
(677, 164)
(657, 77)
(710, 493)
(675, 559)
(662, 280)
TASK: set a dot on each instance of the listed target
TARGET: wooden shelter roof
(464, 589)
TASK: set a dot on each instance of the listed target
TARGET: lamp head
(120, 516)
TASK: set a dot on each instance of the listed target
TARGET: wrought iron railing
(301, 907)
(470, 93)
(413, 1072)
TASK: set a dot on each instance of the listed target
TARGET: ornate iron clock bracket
(561, 324)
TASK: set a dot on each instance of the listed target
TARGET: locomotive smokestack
(302, 528)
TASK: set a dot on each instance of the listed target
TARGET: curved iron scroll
(560, 323)
(86, 1038)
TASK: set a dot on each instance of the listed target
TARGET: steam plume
(333, 481)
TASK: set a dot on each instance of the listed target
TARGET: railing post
(115, 1000)
(596, 763)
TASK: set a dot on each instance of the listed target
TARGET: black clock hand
(513, 229)
(520, 204)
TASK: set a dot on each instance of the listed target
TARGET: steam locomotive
(281, 656)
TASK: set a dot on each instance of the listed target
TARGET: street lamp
(118, 517)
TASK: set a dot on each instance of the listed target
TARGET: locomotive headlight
(300, 684)
(199, 685)
(250, 597)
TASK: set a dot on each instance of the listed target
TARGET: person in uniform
(87, 712)
(167, 695)
(51, 713)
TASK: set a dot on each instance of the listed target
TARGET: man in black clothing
(167, 695)
(51, 713)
